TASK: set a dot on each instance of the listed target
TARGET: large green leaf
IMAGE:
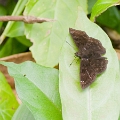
(23, 113)
(8, 102)
(102, 5)
(38, 89)
(49, 37)
(100, 101)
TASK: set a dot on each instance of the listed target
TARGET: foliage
(13, 29)
(101, 5)
(47, 93)
(110, 18)
(38, 89)
(12, 46)
(23, 113)
(8, 102)
(50, 36)
(91, 103)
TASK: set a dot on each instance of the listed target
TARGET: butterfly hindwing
(99, 64)
(87, 75)
(90, 68)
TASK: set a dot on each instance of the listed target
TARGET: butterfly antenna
(69, 44)
(74, 55)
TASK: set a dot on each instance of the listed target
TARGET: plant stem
(26, 19)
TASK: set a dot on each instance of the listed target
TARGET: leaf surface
(23, 113)
(102, 99)
(101, 5)
(48, 38)
(17, 11)
(110, 18)
(90, 5)
(8, 102)
(37, 87)
(12, 46)
(2, 12)
(17, 29)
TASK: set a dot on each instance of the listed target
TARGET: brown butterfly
(89, 51)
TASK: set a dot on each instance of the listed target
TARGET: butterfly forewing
(78, 37)
(87, 46)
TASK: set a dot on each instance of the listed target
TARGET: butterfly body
(90, 52)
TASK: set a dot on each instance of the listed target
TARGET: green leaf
(17, 29)
(17, 11)
(110, 18)
(102, 5)
(119, 118)
(10, 5)
(100, 101)
(11, 46)
(48, 38)
(90, 5)
(24, 41)
(23, 113)
(38, 89)
(8, 102)
(2, 12)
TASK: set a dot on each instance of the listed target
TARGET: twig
(26, 19)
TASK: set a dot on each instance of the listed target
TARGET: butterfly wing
(93, 48)
(88, 47)
(90, 51)
(89, 69)
(79, 37)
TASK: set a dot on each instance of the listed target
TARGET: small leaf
(2, 12)
(11, 46)
(90, 5)
(102, 5)
(17, 29)
(8, 102)
(110, 18)
(24, 41)
(17, 11)
(48, 38)
(38, 89)
(94, 102)
(23, 113)
(9, 6)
